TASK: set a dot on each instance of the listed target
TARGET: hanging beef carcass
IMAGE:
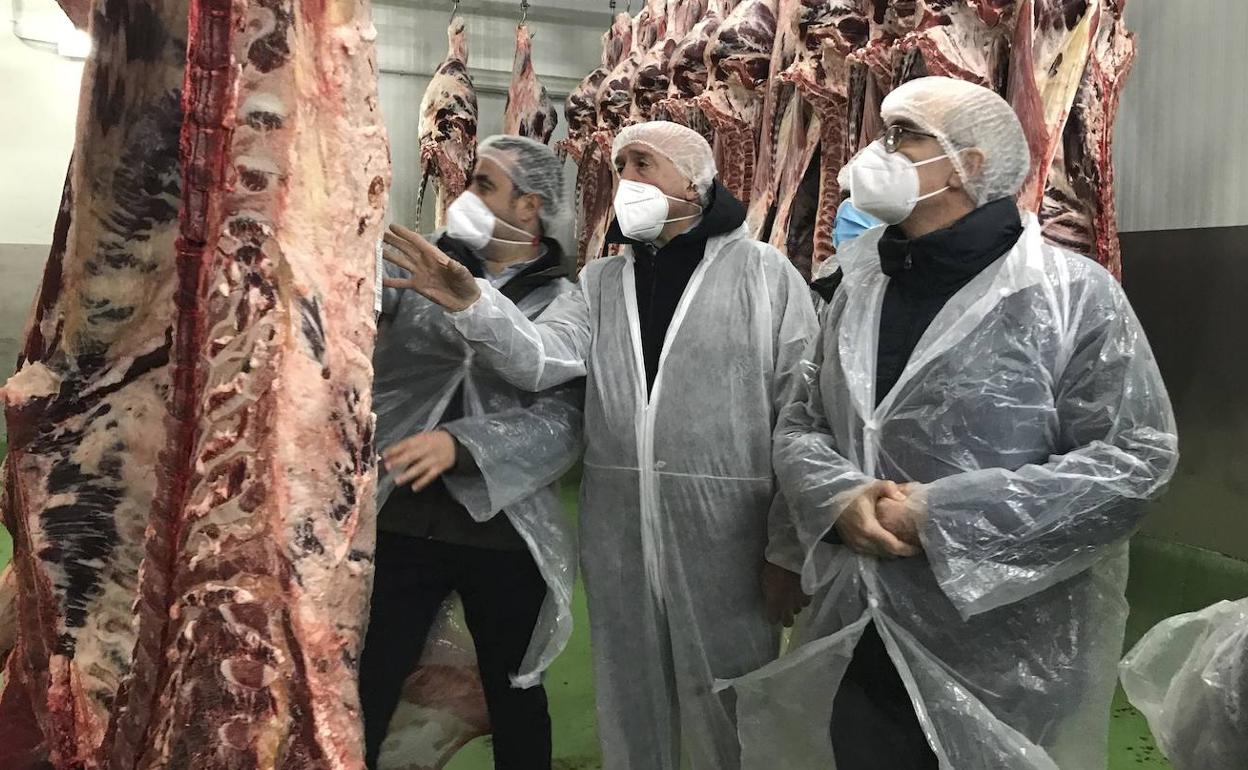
(1079, 210)
(615, 98)
(688, 72)
(581, 110)
(592, 177)
(809, 193)
(529, 110)
(448, 125)
(781, 116)
(653, 78)
(738, 65)
(205, 318)
(86, 410)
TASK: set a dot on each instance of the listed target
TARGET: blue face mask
(851, 223)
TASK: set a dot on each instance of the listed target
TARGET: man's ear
(972, 165)
(692, 195)
(530, 206)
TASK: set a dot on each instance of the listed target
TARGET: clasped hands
(883, 521)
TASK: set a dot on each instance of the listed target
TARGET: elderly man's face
(638, 163)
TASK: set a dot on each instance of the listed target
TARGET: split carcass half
(529, 111)
(190, 475)
(448, 126)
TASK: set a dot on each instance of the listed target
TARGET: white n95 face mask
(886, 184)
(470, 221)
(641, 210)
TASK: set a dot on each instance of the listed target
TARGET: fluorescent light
(74, 44)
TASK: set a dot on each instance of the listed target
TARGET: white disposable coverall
(677, 486)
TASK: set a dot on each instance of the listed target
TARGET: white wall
(39, 101)
(412, 42)
(1181, 150)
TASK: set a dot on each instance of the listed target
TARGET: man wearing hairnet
(688, 341)
(977, 431)
(467, 503)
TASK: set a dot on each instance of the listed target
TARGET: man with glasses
(978, 428)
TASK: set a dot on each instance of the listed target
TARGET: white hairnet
(685, 148)
(963, 116)
(533, 168)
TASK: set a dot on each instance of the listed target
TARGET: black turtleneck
(661, 275)
(926, 271)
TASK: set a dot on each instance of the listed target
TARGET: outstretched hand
(431, 273)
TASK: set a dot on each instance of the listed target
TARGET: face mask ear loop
(533, 239)
(701, 209)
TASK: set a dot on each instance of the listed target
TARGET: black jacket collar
(947, 259)
(551, 266)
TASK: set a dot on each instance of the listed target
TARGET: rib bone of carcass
(1079, 211)
(448, 125)
(529, 110)
(1049, 54)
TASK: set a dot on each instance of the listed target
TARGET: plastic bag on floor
(1189, 677)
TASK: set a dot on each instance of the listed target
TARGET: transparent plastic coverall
(1035, 420)
(522, 443)
(1189, 676)
(678, 485)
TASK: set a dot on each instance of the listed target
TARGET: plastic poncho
(522, 443)
(1035, 420)
(1189, 677)
(677, 487)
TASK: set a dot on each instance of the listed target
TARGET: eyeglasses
(893, 135)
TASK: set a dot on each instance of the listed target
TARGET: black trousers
(874, 726)
(502, 592)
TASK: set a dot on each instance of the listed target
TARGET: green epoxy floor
(1166, 579)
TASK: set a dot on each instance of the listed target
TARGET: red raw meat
(191, 578)
(448, 125)
(781, 128)
(688, 74)
(78, 11)
(1052, 42)
(581, 110)
(1079, 210)
(738, 64)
